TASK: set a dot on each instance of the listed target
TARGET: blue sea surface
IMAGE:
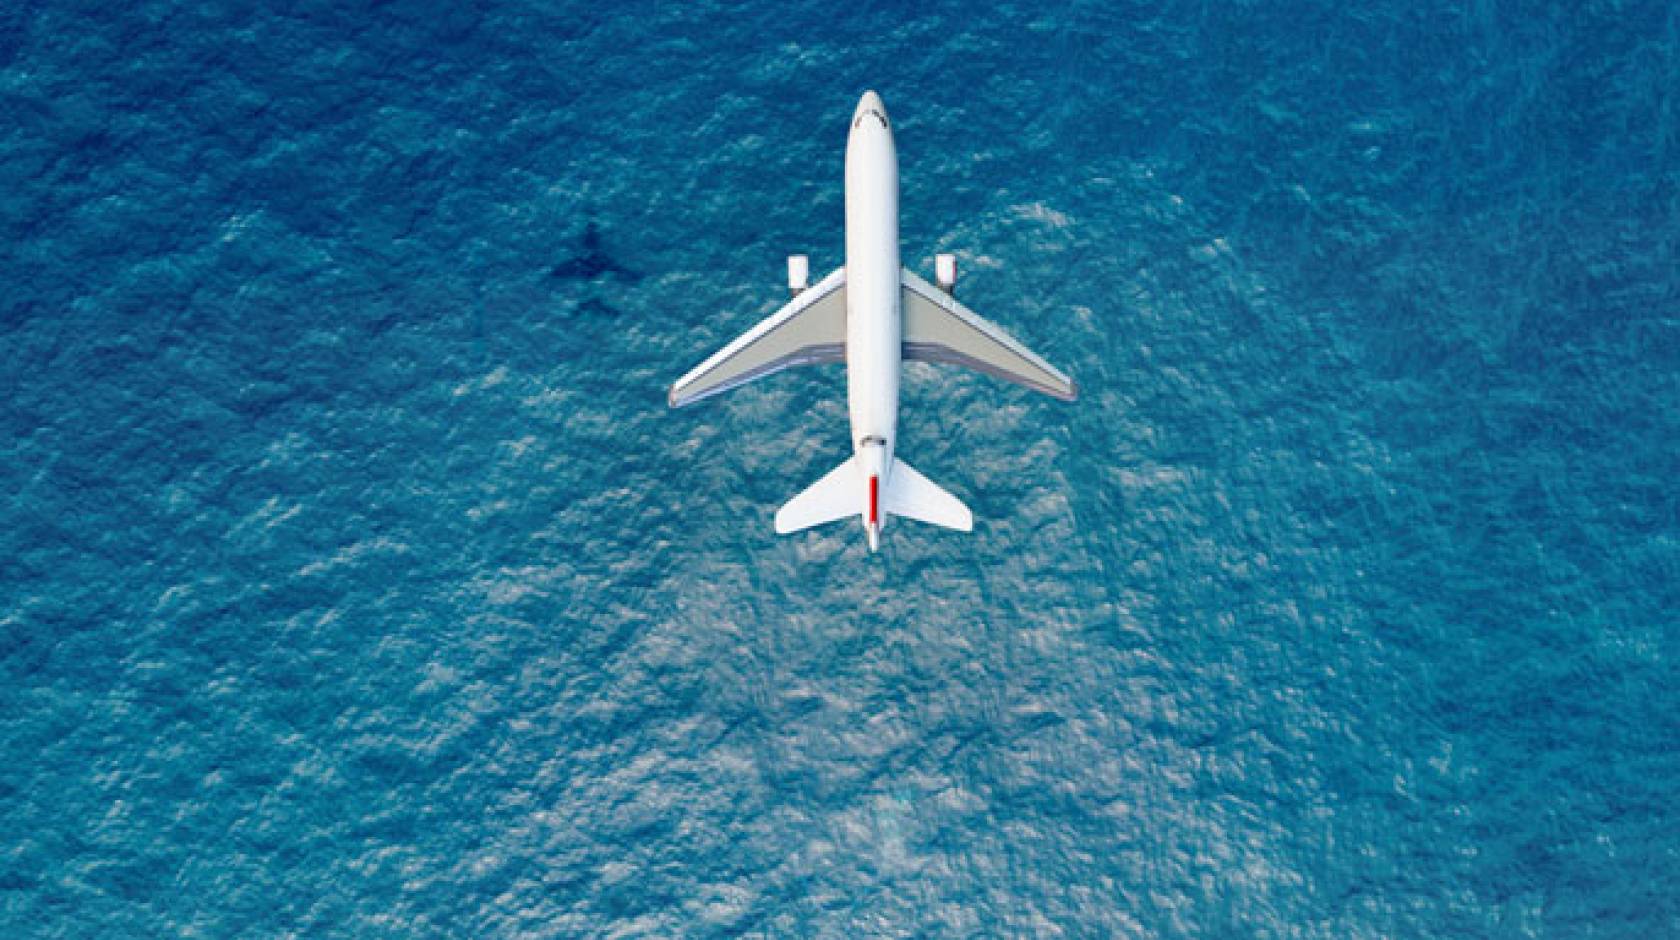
(357, 581)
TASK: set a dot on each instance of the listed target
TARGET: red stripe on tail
(874, 500)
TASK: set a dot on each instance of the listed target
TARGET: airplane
(872, 314)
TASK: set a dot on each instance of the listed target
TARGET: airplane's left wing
(938, 328)
(810, 328)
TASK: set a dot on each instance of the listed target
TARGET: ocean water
(356, 581)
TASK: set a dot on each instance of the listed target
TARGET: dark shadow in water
(593, 262)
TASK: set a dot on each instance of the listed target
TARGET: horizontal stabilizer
(837, 495)
(913, 496)
(939, 329)
(810, 328)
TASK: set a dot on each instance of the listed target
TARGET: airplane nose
(869, 102)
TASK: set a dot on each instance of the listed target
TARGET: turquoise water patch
(358, 581)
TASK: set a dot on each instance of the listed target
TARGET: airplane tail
(837, 495)
(913, 496)
(844, 492)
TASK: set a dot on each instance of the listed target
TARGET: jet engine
(945, 272)
(799, 274)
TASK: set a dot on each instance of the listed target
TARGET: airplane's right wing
(810, 328)
(939, 329)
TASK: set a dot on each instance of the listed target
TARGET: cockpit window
(872, 439)
(872, 113)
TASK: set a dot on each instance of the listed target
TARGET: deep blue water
(355, 579)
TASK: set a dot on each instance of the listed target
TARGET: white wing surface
(811, 328)
(913, 496)
(837, 495)
(939, 329)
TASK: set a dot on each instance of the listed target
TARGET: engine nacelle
(799, 274)
(945, 272)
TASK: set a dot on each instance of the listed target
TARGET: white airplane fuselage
(874, 345)
(873, 313)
